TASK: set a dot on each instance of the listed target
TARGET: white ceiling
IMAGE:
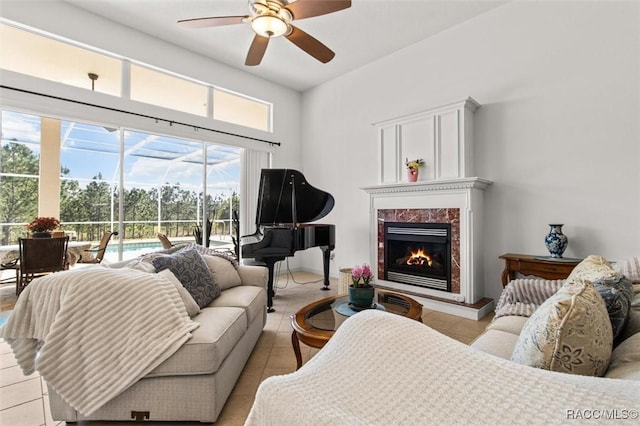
(369, 30)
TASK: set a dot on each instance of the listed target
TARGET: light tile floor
(24, 399)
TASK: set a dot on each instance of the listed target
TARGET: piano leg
(270, 292)
(269, 263)
(326, 256)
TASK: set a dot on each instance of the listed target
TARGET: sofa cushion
(570, 332)
(617, 293)
(250, 298)
(192, 271)
(223, 271)
(220, 330)
(496, 342)
(625, 360)
(190, 305)
(511, 324)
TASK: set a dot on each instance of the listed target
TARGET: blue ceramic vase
(556, 241)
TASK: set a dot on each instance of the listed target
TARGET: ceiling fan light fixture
(269, 26)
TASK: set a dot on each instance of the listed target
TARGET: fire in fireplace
(418, 254)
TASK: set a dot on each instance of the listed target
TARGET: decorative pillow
(630, 268)
(191, 270)
(190, 305)
(223, 271)
(570, 333)
(617, 293)
(592, 268)
(214, 252)
(139, 265)
(148, 258)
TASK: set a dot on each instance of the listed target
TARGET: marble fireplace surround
(457, 201)
(451, 216)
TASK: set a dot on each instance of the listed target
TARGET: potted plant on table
(41, 227)
(412, 168)
(361, 291)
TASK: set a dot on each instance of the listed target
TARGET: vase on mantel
(556, 241)
(412, 175)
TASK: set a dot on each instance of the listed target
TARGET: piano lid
(278, 189)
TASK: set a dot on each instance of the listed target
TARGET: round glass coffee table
(315, 323)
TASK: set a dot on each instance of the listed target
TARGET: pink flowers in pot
(361, 276)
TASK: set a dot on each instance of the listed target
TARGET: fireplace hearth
(418, 254)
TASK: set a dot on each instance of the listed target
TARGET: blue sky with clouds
(150, 160)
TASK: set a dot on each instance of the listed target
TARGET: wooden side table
(540, 266)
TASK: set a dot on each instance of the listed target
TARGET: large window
(33, 54)
(166, 184)
(42, 57)
(239, 109)
(158, 88)
(19, 173)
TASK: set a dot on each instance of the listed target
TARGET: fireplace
(454, 206)
(418, 254)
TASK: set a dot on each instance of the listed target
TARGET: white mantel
(462, 183)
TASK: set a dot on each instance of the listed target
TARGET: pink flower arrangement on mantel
(361, 276)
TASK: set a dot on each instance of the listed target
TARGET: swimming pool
(133, 249)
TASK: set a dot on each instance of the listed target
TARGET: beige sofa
(519, 306)
(194, 383)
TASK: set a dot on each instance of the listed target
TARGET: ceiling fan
(274, 18)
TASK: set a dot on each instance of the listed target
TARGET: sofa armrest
(253, 275)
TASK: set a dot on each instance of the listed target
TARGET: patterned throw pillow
(617, 293)
(570, 333)
(592, 268)
(189, 267)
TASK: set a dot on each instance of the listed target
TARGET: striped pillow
(630, 268)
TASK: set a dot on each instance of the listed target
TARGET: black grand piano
(286, 202)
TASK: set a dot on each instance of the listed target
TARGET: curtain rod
(171, 122)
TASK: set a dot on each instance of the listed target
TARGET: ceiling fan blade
(215, 21)
(256, 51)
(307, 8)
(310, 45)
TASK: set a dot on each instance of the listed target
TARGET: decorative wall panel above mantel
(442, 137)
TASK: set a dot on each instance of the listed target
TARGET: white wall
(558, 130)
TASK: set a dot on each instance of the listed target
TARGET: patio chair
(12, 265)
(38, 257)
(96, 254)
(166, 244)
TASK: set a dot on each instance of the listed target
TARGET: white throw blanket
(93, 332)
(383, 369)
